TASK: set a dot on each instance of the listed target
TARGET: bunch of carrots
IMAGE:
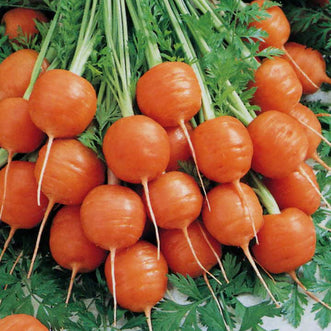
(253, 187)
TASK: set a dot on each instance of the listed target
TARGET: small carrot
(21, 322)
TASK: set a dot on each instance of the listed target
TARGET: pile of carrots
(103, 208)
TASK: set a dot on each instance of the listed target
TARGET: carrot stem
(248, 254)
(71, 283)
(216, 300)
(10, 237)
(41, 228)
(215, 254)
(151, 212)
(43, 168)
(5, 183)
(310, 294)
(196, 257)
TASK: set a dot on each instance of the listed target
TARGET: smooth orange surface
(18, 134)
(178, 254)
(68, 244)
(227, 220)
(294, 190)
(15, 72)
(62, 104)
(72, 171)
(113, 216)
(21, 322)
(279, 142)
(223, 148)
(169, 93)
(286, 241)
(21, 210)
(136, 148)
(141, 279)
(176, 200)
(278, 87)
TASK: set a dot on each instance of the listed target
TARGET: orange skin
(72, 171)
(312, 63)
(169, 93)
(286, 241)
(176, 200)
(136, 149)
(15, 72)
(226, 220)
(280, 144)
(278, 86)
(18, 134)
(20, 21)
(113, 216)
(69, 246)
(21, 322)
(62, 104)
(179, 147)
(22, 192)
(178, 254)
(277, 26)
(223, 148)
(305, 115)
(141, 278)
(294, 190)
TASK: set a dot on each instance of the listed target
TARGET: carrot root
(151, 212)
(111, 178)
(215, 254)
(13, 267)
(323, 114)
(112, 266)
(252, 262)
(216, 300)
(72, 279)
(317, 159)
(41, 228)
(316, 132)
(196, 257)
(42, 172)
(310, 294)
(148, 318)
(9, 160)
(10, 237)
(189, 141)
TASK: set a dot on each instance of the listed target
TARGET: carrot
(141, 278)
(277, 85)
(279, 143)
(113, 217)
(21, 22)
(21, 322)
(137, 150)
(69, 246)
(21, 191)
(179, 147)
(286, 241)
(227, 220)
(73, 170)
(296, 190)
(312, 63)
(15, 72)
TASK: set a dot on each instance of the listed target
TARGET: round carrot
(169, 93)
(179, 147)
(21, 322)
(223, 148)
(21, 191)
(69, 246)
(141, 278)
(295, 190)
(312, 63)
(178, 253)
(113, 216)
(279, 143)
(15, 72)
(21, 21)
(277, 85)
